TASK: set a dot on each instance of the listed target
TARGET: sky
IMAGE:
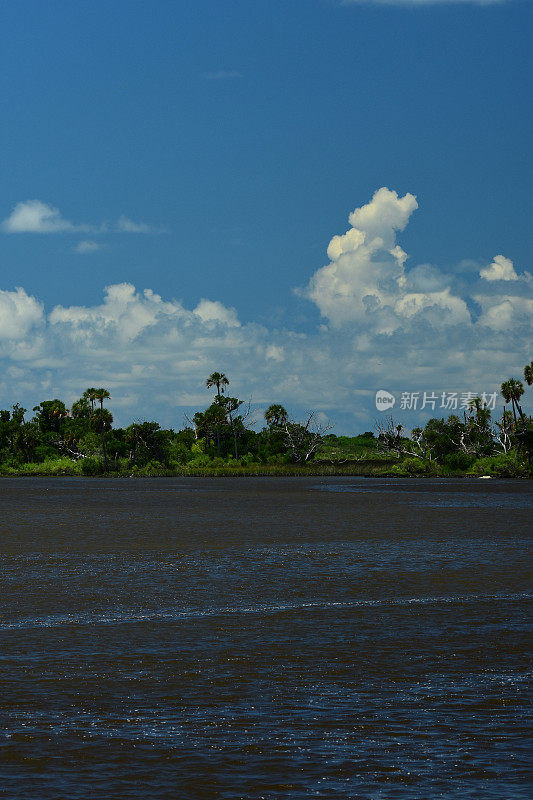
(321, 199)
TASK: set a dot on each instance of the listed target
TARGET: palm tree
(528, 373)
(90, 395)
(512, 390)
(101, 395)
(81, 409)
(276, 416)
(219, 380)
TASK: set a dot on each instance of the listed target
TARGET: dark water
(264, 638)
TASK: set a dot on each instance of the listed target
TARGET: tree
(512, 390)
(504, 432)
(50, 414)
(90, 396)
(305, 439)
(480, 411)
(528, 374)
(29, 440)
(147, 442)
(219, 380)
(210, 423)
(390, 436)
(478, 435)
(101, 395)
(101, 421)
(11, 429)
(81, 409)
(235, 421)
(17, 414)
(276, 416)
(440, 437)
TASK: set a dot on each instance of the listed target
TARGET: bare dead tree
(422, 448)
(389, 438)
(502, 432)
(304, 438)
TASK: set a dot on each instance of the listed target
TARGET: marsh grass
(502, 466)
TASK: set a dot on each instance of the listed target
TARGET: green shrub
(457, 461)
(10, 462)
(200, 461)
(153, 468)
(51, 467)
(44, 452)
(181, 454)
(396, 469)
(504, 465)
(92, 466)
(414, 466)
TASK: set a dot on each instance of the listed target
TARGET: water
(264, 638)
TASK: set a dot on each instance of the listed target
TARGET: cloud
(506, 313)
(34, 216)
(366, 276)
(387, 325)
(87, 246)
(501, 269)
(366, 287)
(213, 312)
(222, 75)
(123, 316)
(126, 225)
(19, 314)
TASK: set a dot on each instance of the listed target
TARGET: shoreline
(263, 473)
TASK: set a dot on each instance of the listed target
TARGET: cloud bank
(385, 325)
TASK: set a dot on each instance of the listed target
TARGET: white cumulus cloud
(365, 278)
(19, 313)
(34, 216)
(211, 311)
(501, 269)
(124, 314)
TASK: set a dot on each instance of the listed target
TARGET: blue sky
(212, 150)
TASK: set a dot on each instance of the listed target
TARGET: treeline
(57, 437)
(223, 438)
(473, 442)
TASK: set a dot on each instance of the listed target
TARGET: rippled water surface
(265, 638)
